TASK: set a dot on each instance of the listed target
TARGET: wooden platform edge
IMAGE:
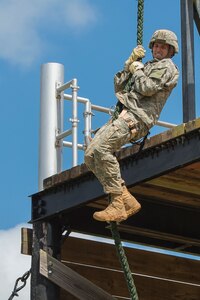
(69, 280)
(154, 141)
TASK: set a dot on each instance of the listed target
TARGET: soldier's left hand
(136, 65)
(137, 53)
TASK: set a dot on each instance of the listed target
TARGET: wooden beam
(69, 280)
(26, 241)
(159, 235)
(192, 125)
(178, 183)
(166, 195)
(46, 236)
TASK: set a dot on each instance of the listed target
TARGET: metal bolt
(50, 265)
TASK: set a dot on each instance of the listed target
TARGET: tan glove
(136, 65)
(138, 52)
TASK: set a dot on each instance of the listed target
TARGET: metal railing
(51, 120)
(88, 113)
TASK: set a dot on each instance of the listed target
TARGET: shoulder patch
(157, 73)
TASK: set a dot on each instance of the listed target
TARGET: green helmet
(164, 36)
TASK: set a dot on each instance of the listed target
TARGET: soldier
(142, 91)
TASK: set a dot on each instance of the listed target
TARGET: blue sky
(92, 39)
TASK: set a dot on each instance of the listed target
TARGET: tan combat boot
(115, 212)
(132, 206)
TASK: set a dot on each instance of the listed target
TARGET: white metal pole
(51, 121)
(74, 121)
(87, 116)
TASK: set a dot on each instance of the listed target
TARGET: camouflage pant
(99, 155)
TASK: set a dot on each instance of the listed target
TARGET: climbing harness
(17, 288)
(141, 143)
(113, 225)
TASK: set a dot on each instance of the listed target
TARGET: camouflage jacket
(145, 92)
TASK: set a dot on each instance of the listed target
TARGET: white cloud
(79, 13)
(22, 24)
(12, 263)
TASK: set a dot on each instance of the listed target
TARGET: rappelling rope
(123, 261)
(113, 225)
(140, 22)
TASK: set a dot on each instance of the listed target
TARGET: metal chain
(16, 289)
(124, 261)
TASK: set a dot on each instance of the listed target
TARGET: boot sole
(134, 211)
(103, 220)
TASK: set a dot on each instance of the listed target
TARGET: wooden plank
(160, 193)
(192, 125)
(153, 141)
(182, 178)
(69, 280)
(26, 241)
(149, 288)
(158, 235)
(140, 261)
(177, 184)
(165, 136)
(193, 167)
(66, 175)
(188, 174)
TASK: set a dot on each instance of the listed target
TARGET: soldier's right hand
(135, 66)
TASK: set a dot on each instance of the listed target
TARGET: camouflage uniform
(143, 95)
(148, 89)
